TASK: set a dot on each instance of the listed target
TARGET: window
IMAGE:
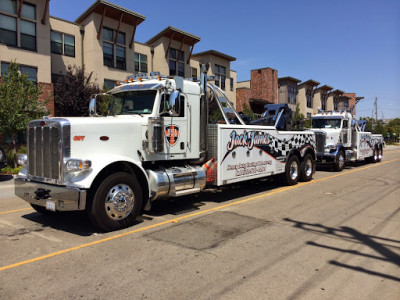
(11, 26)
(31, 71)
(231, 82)
(120, 58)
(194, 72)
(57, 41)
(346, 104)
(108, 54)
(220, 76)
(335, 104)
(8, 30)
(114, 54)
(309, 97)
(140, 63)
(292, 94)
(109, 84)
(176, 62)
(323, 101)
(69, 45)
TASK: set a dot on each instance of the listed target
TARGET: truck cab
(339, 139)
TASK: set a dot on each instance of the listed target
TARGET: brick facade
(242, 96)
(47, 95)
(264, 85)
(263, 90)
(352, 101)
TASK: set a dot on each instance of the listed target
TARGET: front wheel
(307, 168)
(292, 171)
(116, 202)
(339, 162)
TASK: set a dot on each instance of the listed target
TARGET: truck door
(175, 128)
(346, 133)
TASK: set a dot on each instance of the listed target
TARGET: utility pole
(376, 110)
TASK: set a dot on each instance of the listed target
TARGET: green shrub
(10, 170)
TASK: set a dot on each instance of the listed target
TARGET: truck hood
(121, 135)
(332, 135)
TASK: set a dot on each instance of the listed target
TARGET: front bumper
(64, 198)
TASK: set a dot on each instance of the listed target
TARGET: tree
(19, 104)
(72, 92)
(247, 111)
(298, 119)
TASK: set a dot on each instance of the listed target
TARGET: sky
(351, 45)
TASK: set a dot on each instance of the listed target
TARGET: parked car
(3, 158)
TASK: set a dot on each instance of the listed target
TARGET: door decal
(172, 134)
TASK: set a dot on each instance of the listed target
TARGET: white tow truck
(341, 139)
(163, 137)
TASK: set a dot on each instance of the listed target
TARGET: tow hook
(42, 194)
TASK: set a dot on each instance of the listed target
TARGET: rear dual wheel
(292, 171)
(307, 168)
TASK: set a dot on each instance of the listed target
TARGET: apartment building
(102, 39)
(321, 97)
(305, 96)
(288, 91)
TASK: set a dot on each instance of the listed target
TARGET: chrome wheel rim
(119, 202)
(294, 170)
(308, 167)
(376, 155)
(341, 161)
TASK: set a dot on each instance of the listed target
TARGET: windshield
(133, 102)
(326, 123)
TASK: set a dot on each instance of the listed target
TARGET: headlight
(74, 165)
(22, 159)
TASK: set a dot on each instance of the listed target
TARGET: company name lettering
(248, 139)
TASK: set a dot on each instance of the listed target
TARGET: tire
(42, 209)
(340, 161)
(380, 153)
(307, 168)
(375, 157)
(292, 171)
(108, 214)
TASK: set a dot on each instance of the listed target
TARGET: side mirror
(92, 107)
(174, 104)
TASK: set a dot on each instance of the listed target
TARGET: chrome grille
(48, 145)
(320, 139)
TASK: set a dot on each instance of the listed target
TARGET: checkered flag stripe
(283, 147)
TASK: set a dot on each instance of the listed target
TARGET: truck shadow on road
(382, 246)
(191, 203)
(5, 177)
(348, 166)
(72, 222)
(79, 224)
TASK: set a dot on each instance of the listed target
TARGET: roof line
(88, 11)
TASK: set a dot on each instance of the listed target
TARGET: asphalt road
(336, 237)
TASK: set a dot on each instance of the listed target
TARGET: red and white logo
(172, 134)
